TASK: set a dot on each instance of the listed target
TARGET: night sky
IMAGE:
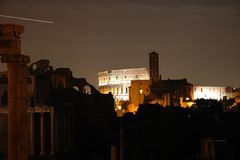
(196, 39)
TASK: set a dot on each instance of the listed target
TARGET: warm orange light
(119, 107)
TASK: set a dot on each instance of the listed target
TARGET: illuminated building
(171, 93)
(167, 92)
(210, 92)
(176, 92)
(138, 91)
(216, 93)
(118, 81)
(233, 93)
(139, 86)
(130, 84)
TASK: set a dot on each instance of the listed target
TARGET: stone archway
(76, 88)
(87, 89)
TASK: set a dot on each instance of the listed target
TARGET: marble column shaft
(18, 130)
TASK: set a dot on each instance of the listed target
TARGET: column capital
(10, 40)
(15, 59)
(11, 29)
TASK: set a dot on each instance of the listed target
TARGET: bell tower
(154, 67)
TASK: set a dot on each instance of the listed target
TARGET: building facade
(171, 93)
(210, 92)
(118, 81)
(138, 91)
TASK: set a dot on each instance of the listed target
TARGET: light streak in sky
(26, 19)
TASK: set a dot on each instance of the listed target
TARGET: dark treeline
(158, 133)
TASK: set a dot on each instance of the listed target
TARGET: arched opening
(87, 90)
(76, 88)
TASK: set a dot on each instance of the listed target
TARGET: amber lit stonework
(10, 50)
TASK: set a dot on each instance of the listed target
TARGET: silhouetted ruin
(68, 117)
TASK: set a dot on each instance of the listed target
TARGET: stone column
(17, 106)
(121, 141)
(32, 133)
(113, 152)
(56, 132)
(42, 134)
(52, 134)
(208, 149)
(64, 135)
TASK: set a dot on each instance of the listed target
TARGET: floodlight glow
(119, 107)
(206, 92)
(141, 91)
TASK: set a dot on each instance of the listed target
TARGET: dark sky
(196, 39)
